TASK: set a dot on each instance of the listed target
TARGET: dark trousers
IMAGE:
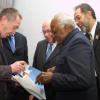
(3, 90)
(98, 86)
(16, 92)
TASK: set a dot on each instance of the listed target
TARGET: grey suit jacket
(5, 71)
(40, 56)
(21, 53)
(4, 68)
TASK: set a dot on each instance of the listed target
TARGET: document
(27, 80)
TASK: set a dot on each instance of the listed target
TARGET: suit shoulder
(20, 35)
(81, 38)
(42, 42)
(98, 23)
(98, 27)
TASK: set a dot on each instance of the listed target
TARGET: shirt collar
(93, 30)
(53, 45)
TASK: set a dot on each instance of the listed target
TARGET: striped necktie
(49, 50)
(89, 36)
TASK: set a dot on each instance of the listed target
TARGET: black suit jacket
(21, 52)
(41, 63)
(96, 45)
(74, 78)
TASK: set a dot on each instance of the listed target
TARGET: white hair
(64, 19)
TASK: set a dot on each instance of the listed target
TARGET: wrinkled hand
(44, 77)
(52, 69)
(18, 66)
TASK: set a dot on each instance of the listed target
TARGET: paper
(27, 81)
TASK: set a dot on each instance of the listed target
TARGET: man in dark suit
(74, 76)
(9, 21)
(86, 19)
(16, 92)
(21, 49)
(41, 59)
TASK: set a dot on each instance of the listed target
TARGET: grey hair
(64, 20)
(10, 13)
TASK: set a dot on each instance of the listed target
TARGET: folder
(27, 80)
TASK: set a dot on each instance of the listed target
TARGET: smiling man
(85, 18)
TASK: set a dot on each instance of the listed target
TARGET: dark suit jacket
(40, 56)
(4, 68)
(41, 63)
(21, 52)
(96, 45)
(5, 71)
(74, 78)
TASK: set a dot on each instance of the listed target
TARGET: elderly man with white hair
(74, 74)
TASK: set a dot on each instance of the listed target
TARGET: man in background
(46, 55)
(74, 75)
(15, 47)
(10, 20)
(86, 19)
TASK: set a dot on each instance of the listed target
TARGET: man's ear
(89, 13)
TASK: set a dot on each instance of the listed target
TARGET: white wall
(34, 12)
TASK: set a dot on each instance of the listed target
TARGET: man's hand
(52, 69)
(18, 66)
(44, 77)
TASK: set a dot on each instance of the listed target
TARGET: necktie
(49, 50)
(12, 43)
(89, 36)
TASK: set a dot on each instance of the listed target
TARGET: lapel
(97, 35)
(4, 59)
(54, 53)
(44, 48)
(6, 43)
(17, 39)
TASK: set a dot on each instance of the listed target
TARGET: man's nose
(46, 33)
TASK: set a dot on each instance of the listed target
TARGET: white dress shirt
(93, 30)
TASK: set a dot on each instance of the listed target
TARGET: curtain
(6, 3)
